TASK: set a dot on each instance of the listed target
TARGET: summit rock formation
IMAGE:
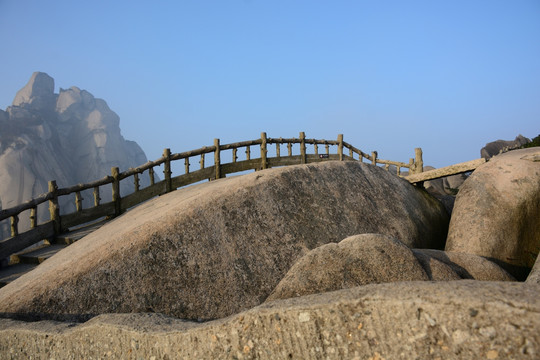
(71, 137)
(497, 212)
(218, 248)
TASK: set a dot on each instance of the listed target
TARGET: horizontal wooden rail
(140, 169)
(81, 187)
(446, 171)
(59, 223)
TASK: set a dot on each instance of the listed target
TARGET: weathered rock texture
(357, 260)
(497, 212)
(410, 320)
(214, 249)
(468, 266)
(496, 147)
(534, 276)
(374, 258)
(70, 137)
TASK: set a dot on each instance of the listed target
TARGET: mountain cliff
(71, 137)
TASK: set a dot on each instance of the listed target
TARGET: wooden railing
(60, 223)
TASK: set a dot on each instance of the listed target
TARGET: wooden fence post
(167, 170)
(78, 201)
(136, 182)
(264, 164)
(33, 217)
(374, 157)
(54, 208)
(217, 159)
(418, 162)
(302, 147)
(14, 225)
(97, 199)
(340, 146)
(115, 172)
(151, 175)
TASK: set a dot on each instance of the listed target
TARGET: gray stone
(38, 92)
(435, 269)
(374, 258)
(408, 320)
(468, 266)
(497, 212)
(534, 276)
(496, 147)
(214, 249)
(445, 189)
(357, 260)
(70, 137)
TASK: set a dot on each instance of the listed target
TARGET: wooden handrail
(7, 213)
(446, 171)
(81, 187)
(217, 170)
(187, 154)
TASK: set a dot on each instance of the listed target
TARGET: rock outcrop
(534, 276)
(499, 146)
(408, 320)
(374, 258)
(70, 137)
(357, 260)
(497, 212)
(466, 266)
(215, 249)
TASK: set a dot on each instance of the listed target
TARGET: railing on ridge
(60, 223)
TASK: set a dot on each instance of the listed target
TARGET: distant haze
(70, 137)
(447, 76)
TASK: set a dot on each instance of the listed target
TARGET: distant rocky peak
(70, 137)
(75, 100)
(38, 92)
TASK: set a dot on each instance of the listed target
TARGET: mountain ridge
(71, 137)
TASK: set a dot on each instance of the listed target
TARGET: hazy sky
(447, 76)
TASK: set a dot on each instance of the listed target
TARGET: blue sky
(447, 76)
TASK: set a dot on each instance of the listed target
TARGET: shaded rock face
(534, 276)
(214, 249)
(70, 137)
(465, 266)
(496, 147)
(442, 187)
(497, 212)
(357, 260)
(374, 258)
(445, 189)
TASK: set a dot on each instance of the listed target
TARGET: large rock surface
(357, 260)
(70, 137)
(497, 212)
(374, 258)
(409, 320)
(214, 249)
